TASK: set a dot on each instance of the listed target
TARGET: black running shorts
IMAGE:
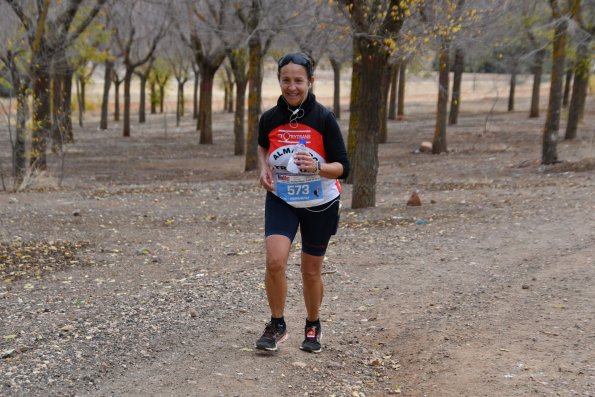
(317, 224)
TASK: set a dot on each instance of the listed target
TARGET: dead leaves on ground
(377, 223)
(33, 259)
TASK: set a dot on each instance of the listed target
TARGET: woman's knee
(277, 248)
(276, 264)
(311, 273)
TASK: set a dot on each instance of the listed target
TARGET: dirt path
(484, 290)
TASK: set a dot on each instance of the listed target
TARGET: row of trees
(51, 43)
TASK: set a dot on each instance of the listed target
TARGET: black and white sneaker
(311, 342)
(272, 336)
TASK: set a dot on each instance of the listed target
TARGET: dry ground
(142, 275)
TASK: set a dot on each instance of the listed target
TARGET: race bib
(295, 188)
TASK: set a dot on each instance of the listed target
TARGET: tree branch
(21, 15)
(86, 22)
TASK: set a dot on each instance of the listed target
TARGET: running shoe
(311, 343)
(273, 335)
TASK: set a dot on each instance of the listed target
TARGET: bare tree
(138, 26)
(62, 73)
(143, 72)
(90, 50)
(585, 30)
(443, 22)
(410, 38)
(374, 24)
(561, 13)
(322, 29)
(537, 70)
(107, 80)
(339, 50)
(228, 87)
(160, 75)
(439, 143)
(255, 26)
(392, 99)
(261, 20)
(383, 111)
(117, 77)
(238, 59)
(205, 20)
(14, 58)
(453, 24)
(455, 100)
(401, 90)
(196, 85)
(20, 82)
(179, 56)
(50, 30)
(522, 45)
(83, 75)
(568, 82)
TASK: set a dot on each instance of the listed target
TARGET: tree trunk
(117, 100)
(392, 101)
(83, 81)
(182, 99)
(127, 83)
(373, 66)
(459, 67)
(567, 86)
(336, 88)
(401, 91)
(19, 150)
(195, 94)
(231, 100)
(57, 108)
(62, 74)
(439, 142)
(513, 75)
(41, 112)
(579, 89)
(107, 77)
(179, 104)
(537, 72)
(142, 117)
(383, 110)
(229, 86)
(255, 76)
(79, 98)
(354, 103)
(238, 58)
(153, 96)
(238, 120)
(161, 97)
(552, 122)
(205, 109)
(67, 105)
(62, 109)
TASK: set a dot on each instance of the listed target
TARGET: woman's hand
(266, 174)
(266, 179)
(305, 161)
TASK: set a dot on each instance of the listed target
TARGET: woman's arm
(331, 170)
(306, 162)
(266, 175)
(338, 161)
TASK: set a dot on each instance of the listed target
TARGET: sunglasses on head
(298, 59)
